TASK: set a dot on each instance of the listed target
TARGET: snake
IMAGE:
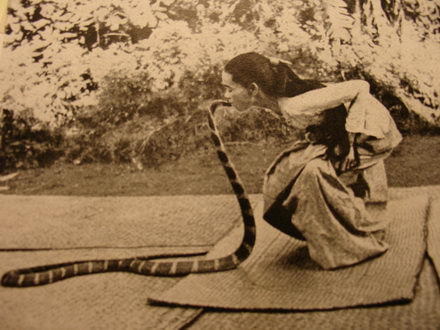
(42, 275)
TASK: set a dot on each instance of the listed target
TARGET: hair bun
(282, 77)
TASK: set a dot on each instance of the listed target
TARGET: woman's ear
(253, 90)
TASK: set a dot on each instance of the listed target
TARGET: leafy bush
(57, 54)
(254, 125)
(131, 121)
(25, 142)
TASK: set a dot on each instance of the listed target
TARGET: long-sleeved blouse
(365, 114)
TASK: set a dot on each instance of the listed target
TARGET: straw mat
(98, 301)
(60, 222)
(434, 235)
(279, 275)
(422, 313)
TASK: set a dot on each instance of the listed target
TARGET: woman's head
(251, 77)
(252, 68)
(248, 78)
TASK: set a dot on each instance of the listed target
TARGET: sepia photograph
(219, 164)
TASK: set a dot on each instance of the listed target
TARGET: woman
(317, 189)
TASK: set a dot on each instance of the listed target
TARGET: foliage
(60, 51)
(131, 121)
(25, 142)
(127, 77)
(150, 140)
(255, 125)
(54, 46)
(395, 43)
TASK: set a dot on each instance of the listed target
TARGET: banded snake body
(47, 274)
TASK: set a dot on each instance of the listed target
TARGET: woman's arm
(317, 100)
(350, 160)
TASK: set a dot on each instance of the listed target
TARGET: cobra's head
(215, 104)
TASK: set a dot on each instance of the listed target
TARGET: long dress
(307, 198)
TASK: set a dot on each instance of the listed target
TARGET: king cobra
(145, 266)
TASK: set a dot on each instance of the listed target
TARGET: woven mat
(279, 275)
(118, 300)
(99, 301)
(422, 313)
(434, 235)
(55, 222)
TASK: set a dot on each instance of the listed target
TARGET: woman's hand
(350, 161)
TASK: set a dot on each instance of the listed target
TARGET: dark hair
(280, 81)
(274, 79)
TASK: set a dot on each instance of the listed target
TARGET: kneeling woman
(317, 189)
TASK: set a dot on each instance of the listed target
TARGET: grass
(413, 163)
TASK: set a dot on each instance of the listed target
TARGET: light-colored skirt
(306, 199)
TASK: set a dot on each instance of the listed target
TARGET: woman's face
(235, 93)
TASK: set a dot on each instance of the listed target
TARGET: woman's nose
(227, 94)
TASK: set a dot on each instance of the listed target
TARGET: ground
(413, 163)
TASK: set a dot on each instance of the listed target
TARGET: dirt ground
(413, 163)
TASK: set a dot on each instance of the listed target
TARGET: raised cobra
(145, 266)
